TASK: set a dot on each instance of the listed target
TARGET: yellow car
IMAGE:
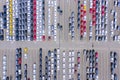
(11, 33)
(10, 10)
(10, 0)
(25, 50)
(84, 7)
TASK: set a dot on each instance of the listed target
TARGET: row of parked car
(72, 25)
(4, 67)
(98, 9)
(34, 71)
(78, 15)
(116, 3)
(78, 66)
(18, 72)
(68, 63)
(50, 65)
(18, 66)
(114, 26)
(113, 65)
(101, 20)
(55, 20)
(71, 64)
(40, 64)
(90, 30)
(52, 28)
(92, 67)
(31, 13)
(1, 34)
(10, 19)
(53, 63)
(2, 21)
(25, 72)
(83, 19)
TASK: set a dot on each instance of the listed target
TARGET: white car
(34, 72)
(84, 2)
(64, 54)
(90, 34)
(52, 54)
(111, 23)
(4, 68)
(111, 33)
(112, 76)
(85, 33)
(78, 54)
(58, 50)
(72, 54)
(69, 59)
(87, 69)
(4, 72)
(19, 72)
(25, 56)
(115, 3)
(34, 77)
(70, 65)
(63, 66)
(4, 63)
(96, 78)
(70, 76)
(4, 58)
(100, 32)
(84, 18)
(72, 60)
(64, 71)
(112, 59)
(4, 77)
(34, 66)
(103, 32)
(64, 60)
(52, 60)
(55, 38)
(70, 70)
(91, 4)
(64, 78)
(58, 56)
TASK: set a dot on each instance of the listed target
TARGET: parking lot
(33, 57)
(67, 38)
(77, 20)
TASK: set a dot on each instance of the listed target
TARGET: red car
(96, 54)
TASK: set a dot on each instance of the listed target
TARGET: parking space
(70, 26)
(65, 20)
(68, 65)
